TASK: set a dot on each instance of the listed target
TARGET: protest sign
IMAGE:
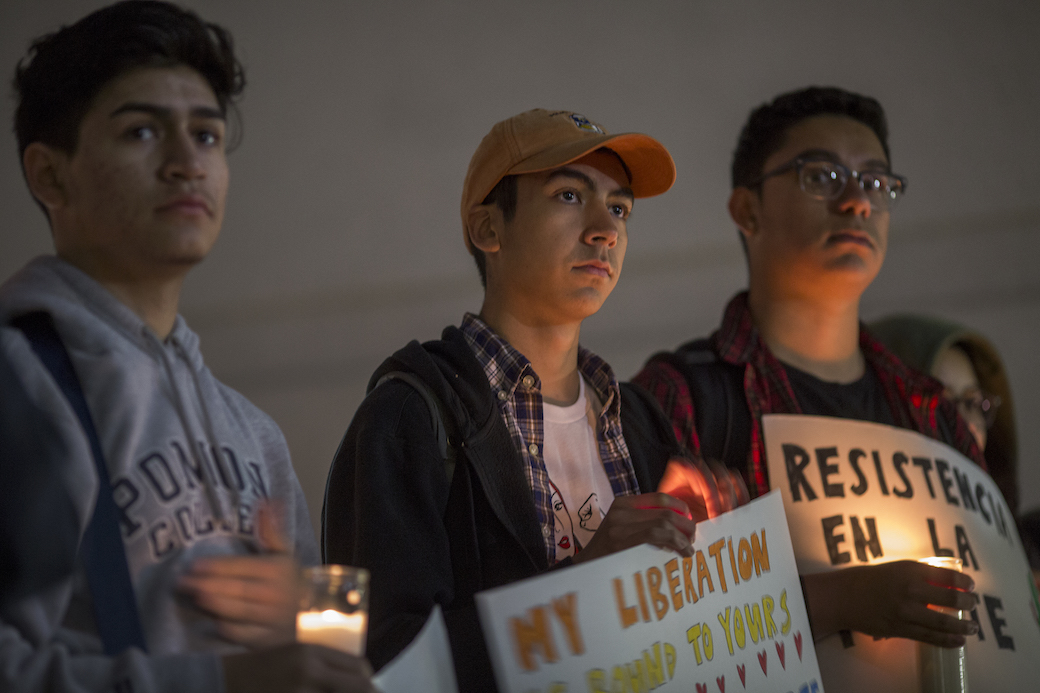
(858, 493)
(731, 617)
(425, 665)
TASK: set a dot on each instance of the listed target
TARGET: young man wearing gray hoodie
(121, 129)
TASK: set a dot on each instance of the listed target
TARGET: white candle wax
(333, 629)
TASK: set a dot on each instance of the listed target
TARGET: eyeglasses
(977, 404)
(825, 180)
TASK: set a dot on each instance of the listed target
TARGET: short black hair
(767, 126)
(63, 72)
(504, 196)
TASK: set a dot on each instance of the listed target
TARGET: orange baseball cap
(538, 140)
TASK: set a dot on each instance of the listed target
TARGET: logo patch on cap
(585, 124)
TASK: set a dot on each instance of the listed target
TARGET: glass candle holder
(334, 608)
(942, 669)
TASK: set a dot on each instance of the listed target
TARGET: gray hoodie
(188, 458)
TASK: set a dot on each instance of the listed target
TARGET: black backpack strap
(102, 550)
(444, 426)
(458, 513)
(648, 434)
(723, 420)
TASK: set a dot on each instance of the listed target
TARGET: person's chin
(187, 253)
(588, 301)
(853, 269)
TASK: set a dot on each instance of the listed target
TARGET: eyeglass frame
(799, 162)
(988, 404)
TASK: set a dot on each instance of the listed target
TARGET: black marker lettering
(943, 467)
(936, 549)
(855, 455)
(862, 542)
(964, 548)
(826, 470)
(898, 460)
(834, 540)
(880, 473)
(797, 459)
(925, 463)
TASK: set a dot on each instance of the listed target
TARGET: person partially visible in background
(971, 370)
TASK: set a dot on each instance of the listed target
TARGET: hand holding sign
(890, 600)
(728, 618)
(649, 518)
(859, 498)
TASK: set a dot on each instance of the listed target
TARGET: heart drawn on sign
(762, 660)
(780, 653)
(721, 680)
(702, 688)
(798, 644)
(742, 670)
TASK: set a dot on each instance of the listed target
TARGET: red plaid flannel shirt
(914, 398)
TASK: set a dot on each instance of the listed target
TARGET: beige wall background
(343, 241)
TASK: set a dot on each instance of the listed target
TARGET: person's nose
(854, 199)
(183, 160)
(601, 226)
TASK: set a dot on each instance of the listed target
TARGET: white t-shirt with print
(581, 492)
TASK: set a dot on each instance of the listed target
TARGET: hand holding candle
(252, 598)
(708, 489)
(942, 669)
(334, 608)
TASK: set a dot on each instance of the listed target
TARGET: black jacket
(389, 506)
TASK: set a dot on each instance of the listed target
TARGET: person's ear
(744, 209)
(484, 225)
(44, 166)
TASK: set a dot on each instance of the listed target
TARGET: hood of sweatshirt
(95, 324)
(188, 458)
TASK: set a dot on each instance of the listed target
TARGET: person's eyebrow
(566, 172)
(875, 164)
(165, 112)
(817, 154)
(828, 155)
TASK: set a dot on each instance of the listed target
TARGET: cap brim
(648, 162)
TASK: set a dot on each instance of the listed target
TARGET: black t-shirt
(863, 399)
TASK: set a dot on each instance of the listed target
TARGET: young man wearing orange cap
(548, 460)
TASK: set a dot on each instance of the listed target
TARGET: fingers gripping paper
(858, 493)
(729, 618)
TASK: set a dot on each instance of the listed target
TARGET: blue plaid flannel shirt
(519, 395)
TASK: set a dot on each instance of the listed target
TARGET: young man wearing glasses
(812, 194)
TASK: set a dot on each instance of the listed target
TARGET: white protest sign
(858, 493)
(729, 618)
(425, 665)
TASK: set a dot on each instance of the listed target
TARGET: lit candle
(333, 629)
(941, 669)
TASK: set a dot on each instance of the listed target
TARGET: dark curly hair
(62, 73)
(768, 124)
